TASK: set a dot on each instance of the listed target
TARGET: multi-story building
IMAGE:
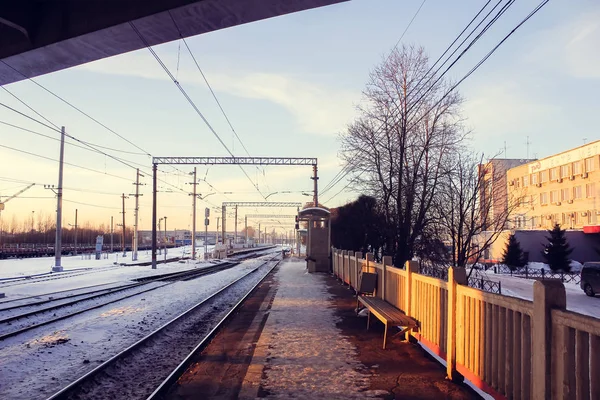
(494, 200)
(563, 188)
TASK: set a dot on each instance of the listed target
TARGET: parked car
(590, 278)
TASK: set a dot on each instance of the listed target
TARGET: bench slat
(386, 312)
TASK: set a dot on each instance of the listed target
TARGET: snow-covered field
(57, 353)
(576, 299)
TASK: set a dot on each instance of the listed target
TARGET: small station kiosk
(318, 238)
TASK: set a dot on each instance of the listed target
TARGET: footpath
(298, 337)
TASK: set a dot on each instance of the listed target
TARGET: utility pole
(75, 231)
(206, 222)
(195, 183)
(123, 197)
(134, 255)
(259, 233)
(315, 178)
(217, 235)
(58, 240)
(223, 224)
(236, 224)
(111, 234)
(246, 229)
(154, 167)
(166, 238)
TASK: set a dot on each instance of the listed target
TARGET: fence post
(547, 295)
(411, 268)
(370, 260)
(346, 265)
(387, 262)
(358, 267)
(456, 276)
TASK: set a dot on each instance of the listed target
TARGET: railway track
(143, 285)
(150, 365)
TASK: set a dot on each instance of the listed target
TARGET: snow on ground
(58, 353)
(308, 357)
(576, 299)
(19, 267)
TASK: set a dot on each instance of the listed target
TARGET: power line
(484, 59)
(189, 99)
(483, 31)
(66, 163)
(76, 108)
(409, 24)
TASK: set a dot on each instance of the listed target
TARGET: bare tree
(395, 150)
(472, 207)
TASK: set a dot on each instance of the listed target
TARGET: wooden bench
(388, 314)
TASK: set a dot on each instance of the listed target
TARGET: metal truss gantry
(235, 160)
(237, 204)
(290, 161)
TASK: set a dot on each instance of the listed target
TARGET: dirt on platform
(403, 369)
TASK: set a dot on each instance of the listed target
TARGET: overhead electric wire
(64, 162)
(189, 99)
(75, 107)
(479, 35)
(484, 59)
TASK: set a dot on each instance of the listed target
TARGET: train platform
(298, 337)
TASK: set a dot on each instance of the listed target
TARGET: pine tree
(513, 256)
(557, 250)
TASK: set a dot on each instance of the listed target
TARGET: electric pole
(315, 178)
(246, 229)
(137, 194)
(123, 197)
(259, 233)
(236, 224)
(217, 234)
(166, 239)
(206, 222)
(111, 234)
(58, 240)
(75, 232)
(195, 183)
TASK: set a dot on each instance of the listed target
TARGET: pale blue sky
(289, 86)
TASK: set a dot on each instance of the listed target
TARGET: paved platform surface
(298, 337)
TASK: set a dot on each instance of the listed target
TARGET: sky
(290, 86)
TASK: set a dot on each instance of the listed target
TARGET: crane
(14, 195)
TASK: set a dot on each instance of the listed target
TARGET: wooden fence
(509, 347)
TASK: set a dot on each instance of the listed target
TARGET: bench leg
(385, 335)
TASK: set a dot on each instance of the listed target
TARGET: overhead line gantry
(290, 161)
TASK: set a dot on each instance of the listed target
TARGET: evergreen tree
(557, 250)
(513, 256)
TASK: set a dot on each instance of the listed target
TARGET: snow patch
(308, 356)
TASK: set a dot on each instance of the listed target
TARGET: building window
(554, 174)
(589, 164)
(535, 222)
(554, 196)
(534, 178)
(565, 219)
(564, 171)
(544, 198)
(576, 219)
(576, 167)
(526, 181)
(564, 194)
(590, 190)
(544, 176)
(577, 192)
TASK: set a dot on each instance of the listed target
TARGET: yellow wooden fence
(509, 347)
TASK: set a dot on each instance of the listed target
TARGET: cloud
(570, 48)
(582, 54)
(316, 108)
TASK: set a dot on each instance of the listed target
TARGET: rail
(78, 388)
(490, 338)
